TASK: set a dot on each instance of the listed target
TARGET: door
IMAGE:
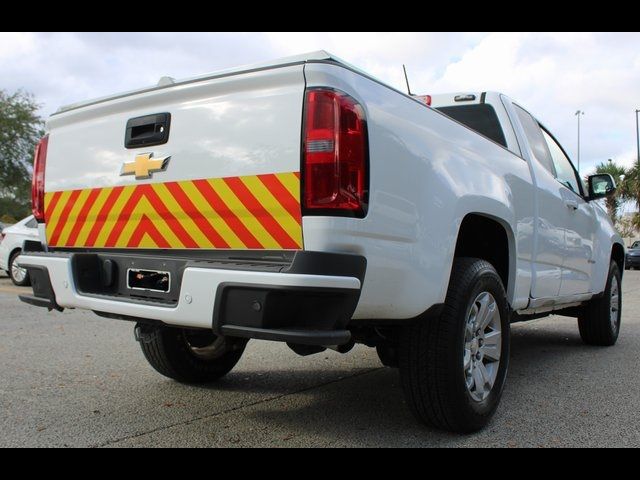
(579, 224)
(548, 233)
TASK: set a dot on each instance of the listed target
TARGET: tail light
(335, 155)
(1, 237)
(37, 187)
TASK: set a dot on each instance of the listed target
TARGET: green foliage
(630, 187)
(8, 219)
(618, 172)
(20, 130)
(628, 182)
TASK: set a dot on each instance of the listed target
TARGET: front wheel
(188, 356)
(453, 368)
(600, 319)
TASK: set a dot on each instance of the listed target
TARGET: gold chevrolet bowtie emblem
(144, 166)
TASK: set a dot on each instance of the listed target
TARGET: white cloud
(553, 75)
(15, 45)
(383, 54)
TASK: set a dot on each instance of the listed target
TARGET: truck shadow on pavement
(368, 408)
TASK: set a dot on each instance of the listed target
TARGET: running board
(546, 305)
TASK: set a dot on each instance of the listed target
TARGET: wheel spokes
(18, 273)
(487, 311)
(615, 301)
(614, 304)
(479, 383)
(470, 330)
(483, 346)
(492, 348)
(467, 360)
(486, 377)
(483, 302)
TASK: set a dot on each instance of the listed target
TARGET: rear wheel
(388, 355)
(453, 368)
(19, 276)
(599, 321)
(189, 356)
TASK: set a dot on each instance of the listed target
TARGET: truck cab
(568, 230)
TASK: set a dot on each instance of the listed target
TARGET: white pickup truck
(305, 202)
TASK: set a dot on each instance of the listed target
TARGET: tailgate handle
(148, 130)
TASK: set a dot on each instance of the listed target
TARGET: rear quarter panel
(427, 173)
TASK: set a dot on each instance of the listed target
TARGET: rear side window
(534, 135)
(33, 223)
(479, 117)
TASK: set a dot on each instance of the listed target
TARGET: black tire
(170, 352)
(595, 320)
(431, 354)
(24, 283)
(388, 355)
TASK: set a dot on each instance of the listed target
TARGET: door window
(536, 141)
(565, 173)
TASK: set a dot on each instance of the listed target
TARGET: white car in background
(11, 240)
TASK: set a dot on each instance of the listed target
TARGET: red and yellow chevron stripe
(248, 212)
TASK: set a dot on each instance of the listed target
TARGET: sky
(550, 74)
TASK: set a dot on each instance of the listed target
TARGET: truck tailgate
(226, 178)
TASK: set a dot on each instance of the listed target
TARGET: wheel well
(14, 251)
(617, 255)
(482, 237)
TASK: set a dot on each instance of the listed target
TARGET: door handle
(147, 131)
(571, 204)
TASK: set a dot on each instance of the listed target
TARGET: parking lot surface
(74, 379)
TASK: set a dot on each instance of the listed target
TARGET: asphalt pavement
(74, 379)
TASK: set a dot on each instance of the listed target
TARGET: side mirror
(601, 185)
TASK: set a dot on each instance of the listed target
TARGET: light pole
(578, 114)
(638, 137)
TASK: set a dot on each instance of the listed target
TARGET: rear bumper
(309, 300)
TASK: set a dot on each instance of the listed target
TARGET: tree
(618, 173)
(7, 219)
(627, 226)
(630, 187)
(20, 129)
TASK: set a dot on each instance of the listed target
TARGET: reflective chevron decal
(249, 212)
